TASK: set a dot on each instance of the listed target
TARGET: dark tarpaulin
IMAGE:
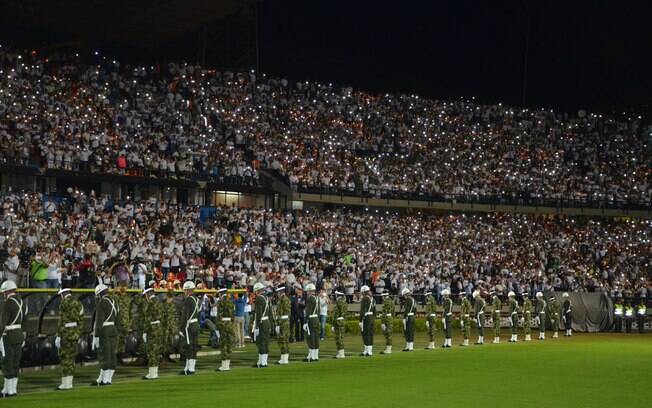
(592, 312)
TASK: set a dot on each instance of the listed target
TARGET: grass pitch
(587, 370)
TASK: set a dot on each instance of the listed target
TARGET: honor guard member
(71, 314)
(153, 332)
(409, 308)
(311, 327)
(478, 312)
(513, 316)
(641, 313)
(367, 319)
(431, 318)
(189, 327)
(629, 316)
(337, 323)
(105, 335)
(540, 311)
(447, 318)
(465, 318)
(225, 328)
(553, 312)
(567, 315)
(262, 325)
(123, 303)
(11, 342)
(619, 312)
(387, 321)
(527, 316)
(283, 308)
(495, 315)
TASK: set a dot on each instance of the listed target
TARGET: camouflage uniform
(553, 312)
(225, 325)
(71, 315)
(139, 301)
(283, 308)
(170, 324)
(465, 318)
(527, 316)
(153, 329)
(497, 305)
(431, 318)
(540, 311)
(123, 302)
(388, 320)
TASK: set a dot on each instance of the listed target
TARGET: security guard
(71, 314)
(311, 327)
(495, 315)
(540, 311)
(262, 325)
(431, 318)
(337, 323)
(641, 313)
(465, 318)
(619, 312)
(105, 335)
(189, 327)
(478, 311)
(387, 321)
(527, 316)
(153, 332)
(226, 328)
(11, 342)
(567, 315)
(283, 308)
(513, 316)
(367, 319)
(553, 312)
(629, 316)
(447, 318)
(409, 308)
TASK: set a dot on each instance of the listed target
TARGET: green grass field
(596, 370)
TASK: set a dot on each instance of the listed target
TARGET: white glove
(278, 330)
(404, 324)
(57, 342)
(96, 343)
(462, 324)
(427, 324)
(181, 334)
(2, 348)
(383, 327)
(256, 332)
(217, 334)
(361, 325)
(333, 329)
(305, 327)
(144, 337)
(443, 320)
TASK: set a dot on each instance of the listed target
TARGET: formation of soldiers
(160, 321)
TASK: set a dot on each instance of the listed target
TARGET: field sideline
(587, 370)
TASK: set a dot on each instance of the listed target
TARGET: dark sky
(581, 54)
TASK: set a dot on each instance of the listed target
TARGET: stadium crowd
(185, 121)
(76, 241)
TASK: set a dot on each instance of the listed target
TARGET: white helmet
(258, 286)
(189, 285)
(476, 293)
(445, 292)
(565, 294)
(511, 294)
(146, 291)
(100, 288)
(310, 287)
(7, 286)
(64, 290)
(364, 289)
(405, 291)
(539, 294)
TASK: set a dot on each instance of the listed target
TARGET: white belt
(313, 315)
(388, 315)
(192, 321)
(226, 319)
(340, 318)
(155, 322)
(108, 324)
(433, 315)
(466, 315)
(13, 327)
(514, 313)
(285, 317)
(480, 313)
(449, 314)
(264, 318)
(369, 313)
(69, 325)
(410, 314)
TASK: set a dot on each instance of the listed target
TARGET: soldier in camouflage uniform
(495, 314)
(71, 314)
(11, 331)
(540, 312)
(527, 316)
(553, 312)
(465, 318)
(139, 302)
(283, 308)
(478, 311)
(105, 334)
(225, 328)
(387, 322)
(338, 318)
(447, 318)
(513, 316)
(153, 332)
(431, 317)
(170, 324)
(123, 302)
(367, 321)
